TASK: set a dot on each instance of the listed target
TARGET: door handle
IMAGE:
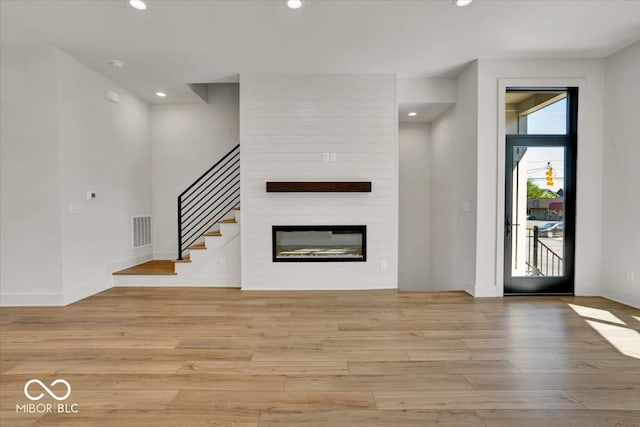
(508, 225)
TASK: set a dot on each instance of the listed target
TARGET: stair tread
(197, 246)
(160, 267)
(213, 233)
(228, 221)
(237, 208)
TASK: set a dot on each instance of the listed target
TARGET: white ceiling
(176, 42)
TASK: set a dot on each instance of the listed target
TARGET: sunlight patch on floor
(596, 313)
(626, 340)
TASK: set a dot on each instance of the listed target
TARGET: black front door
(540, 191)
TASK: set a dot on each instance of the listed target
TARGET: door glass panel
(537, 229)
(536, 113)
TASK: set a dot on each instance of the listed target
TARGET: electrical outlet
(326, 157)
(383, 264)
(333, 157)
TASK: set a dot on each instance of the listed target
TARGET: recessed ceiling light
(116, 63)
(462, 3)
(138, 4)
(161, 94)
(294, 4)
(412, 114)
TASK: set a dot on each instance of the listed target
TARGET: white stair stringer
(219, 264)
(216, 266)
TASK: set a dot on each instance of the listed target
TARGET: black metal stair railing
(541, 259)
(208, 199)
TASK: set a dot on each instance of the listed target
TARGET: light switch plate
(75, 209)
(112, 96)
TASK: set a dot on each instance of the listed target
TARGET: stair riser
(221, 265)
(229, 228)
(213, 244)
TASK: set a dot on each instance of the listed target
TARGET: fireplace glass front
(319, 243)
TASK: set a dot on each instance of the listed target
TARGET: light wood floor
(201, 357)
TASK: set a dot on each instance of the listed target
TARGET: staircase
(208, 234)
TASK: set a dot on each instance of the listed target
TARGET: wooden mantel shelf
(319, 187)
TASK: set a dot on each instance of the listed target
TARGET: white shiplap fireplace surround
(287, 122)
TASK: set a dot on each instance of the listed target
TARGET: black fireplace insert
(319, 243)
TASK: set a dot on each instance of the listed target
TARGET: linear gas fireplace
(319, 243)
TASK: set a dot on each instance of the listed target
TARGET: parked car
(551, 229)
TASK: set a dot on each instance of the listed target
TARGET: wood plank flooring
(202, 357)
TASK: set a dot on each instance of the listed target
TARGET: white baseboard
(311, 287)
(31, 300)
(77, 294)
(173, 281)
(71, 296)
(52, 300)
(632, 301)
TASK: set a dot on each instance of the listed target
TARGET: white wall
(453, 189)
(103, 147)
(30, 257)
(187, 139)
(588, 76)
(414, 213)
(60, 138)
(286, 123)
(621, 200)
(427, 90)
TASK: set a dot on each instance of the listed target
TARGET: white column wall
(29, 209)
(286, 123)
(415, 212)
(453, 189)
(621, 200)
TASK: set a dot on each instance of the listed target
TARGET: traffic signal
(549, 174)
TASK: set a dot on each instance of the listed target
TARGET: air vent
(141, 231)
